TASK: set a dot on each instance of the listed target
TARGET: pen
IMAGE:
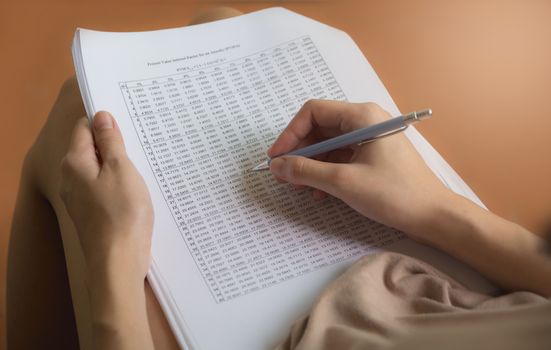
(360, 136)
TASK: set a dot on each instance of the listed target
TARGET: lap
(39, 196)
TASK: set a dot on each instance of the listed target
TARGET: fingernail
(277, 166)
(103, 120)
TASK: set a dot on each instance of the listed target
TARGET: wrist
(111, 294)
(452, 220)
(504, 252)
(117, 298)
(117, 264)
(119, 314)
(118, 301)
(117, 254)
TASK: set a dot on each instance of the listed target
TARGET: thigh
(44, 252)
(39, 308)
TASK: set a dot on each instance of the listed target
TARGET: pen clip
(402, 128)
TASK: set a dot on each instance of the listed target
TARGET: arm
(507, 253)
(110, 206)
(388, 181)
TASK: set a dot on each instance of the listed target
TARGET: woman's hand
(107, 200)
(110, 206)
(385, 180)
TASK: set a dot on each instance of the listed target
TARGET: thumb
(108, 137)
(305, 171)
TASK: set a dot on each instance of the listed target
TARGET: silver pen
(360, 136)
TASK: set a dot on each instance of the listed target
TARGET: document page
(237, 257)
(204, 129)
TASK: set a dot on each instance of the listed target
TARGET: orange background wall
(484, 67)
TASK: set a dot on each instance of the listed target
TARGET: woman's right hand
(385, 180)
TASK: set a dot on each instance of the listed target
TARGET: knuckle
(116, 163)
(113, 163)
(367, 110)
(311, 104)
(371, 113)
(371, 107)
(297, 168)
(67, 164)
(110, 141)
(103, 137)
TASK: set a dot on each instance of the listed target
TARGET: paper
(237, 256)
(203, 130)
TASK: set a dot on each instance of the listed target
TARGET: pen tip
(261, 166)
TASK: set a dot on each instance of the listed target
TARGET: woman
(406, 304)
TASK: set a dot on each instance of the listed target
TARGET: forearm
(119, 316)
(504, 252)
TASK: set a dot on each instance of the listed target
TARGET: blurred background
(484, 67)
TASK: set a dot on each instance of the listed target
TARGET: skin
(110, 207)
(47, 307)
(389, 182)
(378, 179)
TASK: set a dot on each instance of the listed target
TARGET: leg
(44, 247)
(40, 311)
(39, 308)
(214, 14)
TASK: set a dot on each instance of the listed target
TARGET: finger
(308, 172)
(309, 139)
(342, 155)
(280, 180)
(305, 121)
(108, 137)
(81, 155)
(318, 194)
(330, 118)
